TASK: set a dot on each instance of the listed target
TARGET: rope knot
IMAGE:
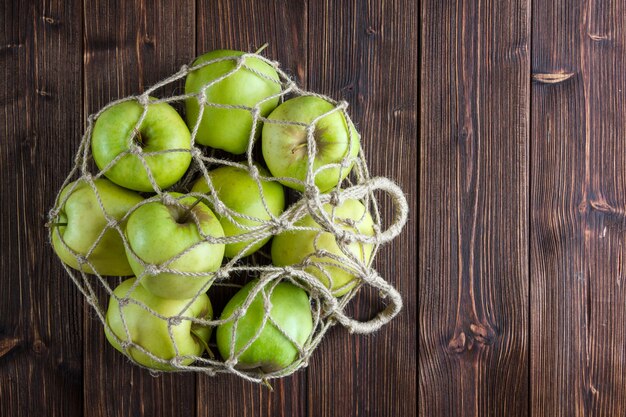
(111, 223)
(168, 200)
(230, 362)
(345, 237)
(310, 130)
(349, 222)
(289, 270)
(151, 269)
(202, 98)
(196, 152)
(311, 192)
(370, 276)
(237, 314)
(174, 321)
(322, 253)
(279, 225)
(221, 275)
(143, 100)
(335, 198)
(254, 171)
(184, 69)
(122, 302)
(81, 260)
(53, 214)
(125, 344)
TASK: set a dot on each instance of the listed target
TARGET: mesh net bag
(311, 210)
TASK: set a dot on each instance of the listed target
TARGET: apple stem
(138, 138)
(203, 343)
(267, 384)
(188, 211)
(300, 146)
(265, 45)
(55, 224)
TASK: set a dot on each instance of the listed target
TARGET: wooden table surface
(63, 60)
(522, 291)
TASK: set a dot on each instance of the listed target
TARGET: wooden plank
(128, 47)
(577, 206)
(246, 25)
(40, 311)
(473, 279)
(367, 54)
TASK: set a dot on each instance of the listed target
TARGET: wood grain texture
(128, 47)
(40, 311)
(473, 267)
(60, 62)
(577, 205)
(360, 52)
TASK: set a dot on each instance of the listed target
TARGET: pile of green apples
(173, 239)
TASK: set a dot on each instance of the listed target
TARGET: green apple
(151, 332)
(295, 246)
(271, 350)
(81, 221)
(238, 190)
(161, 130)
(222, 128)
(158, 232)
(285, 146)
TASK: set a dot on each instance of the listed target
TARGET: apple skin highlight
(161, 130)
(285, 146)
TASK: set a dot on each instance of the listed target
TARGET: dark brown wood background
(522, 299)
(61, 61)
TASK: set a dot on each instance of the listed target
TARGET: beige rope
(327, 309)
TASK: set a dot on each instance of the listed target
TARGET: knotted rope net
(327, 309)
